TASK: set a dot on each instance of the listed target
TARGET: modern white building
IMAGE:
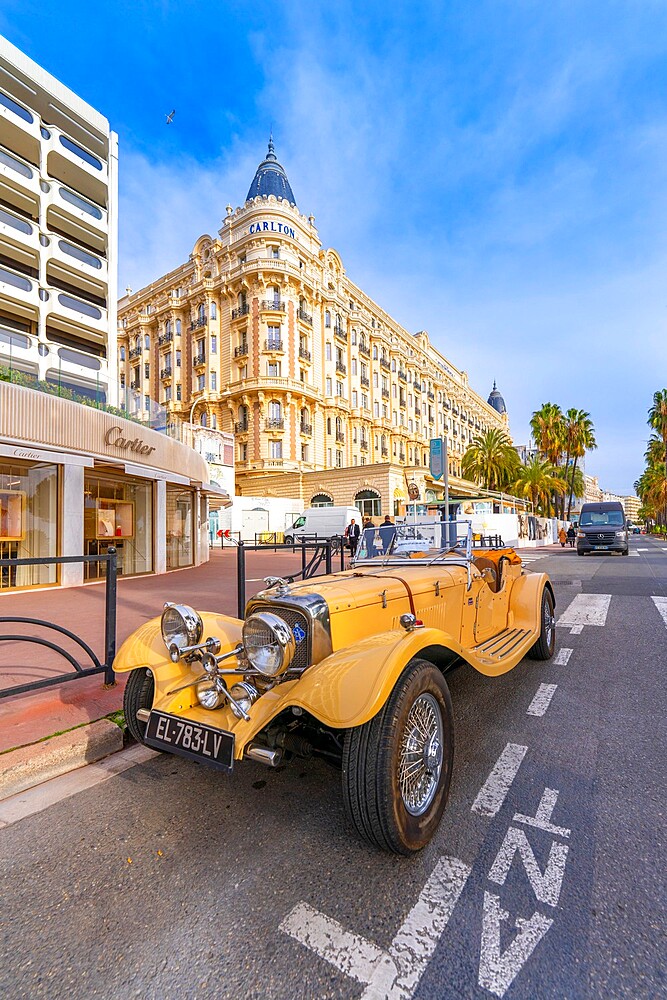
(58, 232)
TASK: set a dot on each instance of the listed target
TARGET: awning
(217, 496)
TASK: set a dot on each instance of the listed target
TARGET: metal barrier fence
(106, 668)
(322, 552)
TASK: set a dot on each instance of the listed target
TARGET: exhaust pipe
(264, 755)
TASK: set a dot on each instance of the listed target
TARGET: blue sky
(492, 172)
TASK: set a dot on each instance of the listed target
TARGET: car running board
(502, 645)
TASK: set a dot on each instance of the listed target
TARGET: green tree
(490, 460)
(657, 419)
(547, 426)
(579, 438)
(539, 481)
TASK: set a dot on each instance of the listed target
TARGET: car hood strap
(392, 576)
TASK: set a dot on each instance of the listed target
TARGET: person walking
(571, 535)
(562, 537)
(352, 533)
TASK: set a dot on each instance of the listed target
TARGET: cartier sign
(114, 437)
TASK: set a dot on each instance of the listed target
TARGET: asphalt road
(545, 880)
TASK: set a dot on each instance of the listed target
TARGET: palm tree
(490, 460)
(580, 438)
(539, 481)
(657, 418)
(547, 426)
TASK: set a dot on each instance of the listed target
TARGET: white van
(321, 522)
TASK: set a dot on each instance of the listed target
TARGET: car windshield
(424, 540)
(602, 517)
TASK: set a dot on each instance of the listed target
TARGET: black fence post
(342, 554)
(110, 617)
(327, 556)
(303, 557)
(240, 580)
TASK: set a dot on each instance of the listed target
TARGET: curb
(31, 765)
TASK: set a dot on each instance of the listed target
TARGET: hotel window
(327, 318)
(178, 391)
(122, 354)
(375, 350)
(241, 258)
(376, 409)
(214, 344)
(354, 337)
(328, 425)
(178, 325)
(329, 457)
(385, 411)
(275, 253)
(213, 311)
(167, 393)
(274, 337)
(243, 452)
(302, 375)
(354, 398)
(201, 382)
(339, 459)
(273, 369)
(201, 314)
(410, 400)
(339, 389)
(354, 434)
(364, 370)
(354, 460)
(393, 364)
(327, 351)
(377, 442)
(329, 385)
(275, 410)
(275, 293)
(147, 342)
(244, 372)
(353, 366)
(178, 359)
(147, 402)
(364, 401)
(410, 455)
(276, 449)
(122, 380)
(376, 380)
(304, 452)
(214, 381)
(147, 370)
(363, 460)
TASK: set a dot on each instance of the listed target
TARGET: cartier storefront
(75, 480)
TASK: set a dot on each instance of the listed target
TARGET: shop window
(28, 519)
(180, 527)
(119, 512)
(368, 503)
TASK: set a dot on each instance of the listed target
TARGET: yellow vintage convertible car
(350, 667)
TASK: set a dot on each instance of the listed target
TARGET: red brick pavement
(29, 717)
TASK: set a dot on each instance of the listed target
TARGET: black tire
(625, 552)
(372, 794)
(289, 540)
(138, 694)
(546, 644)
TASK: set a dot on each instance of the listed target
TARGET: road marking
(542, 818)
(394, 974)
(546, 885)
(664, 548)
(661, 605)
(562, 657)
(542, 699)
(41, 797)
(586, 609)
(350, 953)
(494, 790)
(576, 630)
(497, 970)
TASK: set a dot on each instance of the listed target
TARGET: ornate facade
(262, 333)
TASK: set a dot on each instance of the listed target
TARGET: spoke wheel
(397, 767)
(546, 644)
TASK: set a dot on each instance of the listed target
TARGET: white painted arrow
(498, 970)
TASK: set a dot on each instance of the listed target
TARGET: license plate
(605, 547)
(190, 739)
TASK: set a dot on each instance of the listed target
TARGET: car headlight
(181, 627)
(581, 534)
(268, 643)
(620, 534)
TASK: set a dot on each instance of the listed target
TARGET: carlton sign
(114, 438)
(271, 227)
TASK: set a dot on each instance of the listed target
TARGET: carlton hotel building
(263, 333)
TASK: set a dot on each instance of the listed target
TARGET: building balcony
(304, 317)
(85, 216)
(341, 368)
(304, 355)
(340, 333)
(306, 429)
(135, 386)
(18, 173)
(198, 360)
(77, 312)
(401, 457)
(17, 286)
(273, 345)
(242, 350)
(166, 338)
(384, 452)
(272, 305)
(136, 352)
(240, 311)
(366, 351)
(402, 375)
(21, 125)
(340, 437)
(385, 393)
(363, 444)
(275, 424)
(17, 230)
(366, 382)
(384, 363)
(166, 372)
(241, 427)
(417, 386)
(431, 395)
(197, 324)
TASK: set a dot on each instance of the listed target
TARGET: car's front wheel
(139, 692)
(546, 643)
(397, 768)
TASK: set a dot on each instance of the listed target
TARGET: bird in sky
(170, 116)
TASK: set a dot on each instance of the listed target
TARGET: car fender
(526, 601)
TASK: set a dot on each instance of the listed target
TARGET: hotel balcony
(366, 382)
(275, 424)
(273, 345)
(384, 363)
(341, 368)
(340, 437)
(165, 338)
(240, 311)
(76, 166)
(241, 427)
(166, 372)
(431, 395)
(17, 286)
(366, 351)
(417, 386)
(78, 261)
(19, 174)
(384, 452)
(363, 444)
(402, 375)
(304, 355)
(18, 231)
(304, 317)
(20, 126)
(63, 202)
(136, 352)
(198, 360)
(242, 350)
(272, 305)
(197, 324)
(340, 333)
(385, 393)
(306, 430)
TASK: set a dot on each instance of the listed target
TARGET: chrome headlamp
(181, 628)
(268, 643)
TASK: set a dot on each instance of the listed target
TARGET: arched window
(275, 410)
(375, 352)
(137, 343)
(242, 300)
(327, 318)
(122, 354)
(178, 326)
(368, 503)
(167, 327)
(321, 500)
(201, 313)
(147, 342)
(213, 311)
(204, 421)
(214, 421)
(339, 425)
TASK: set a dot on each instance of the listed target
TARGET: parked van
(321, 522)
(602, 528)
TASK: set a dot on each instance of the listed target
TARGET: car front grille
(292, 618)
(600, 537)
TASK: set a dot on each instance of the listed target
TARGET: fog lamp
(210, 693)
